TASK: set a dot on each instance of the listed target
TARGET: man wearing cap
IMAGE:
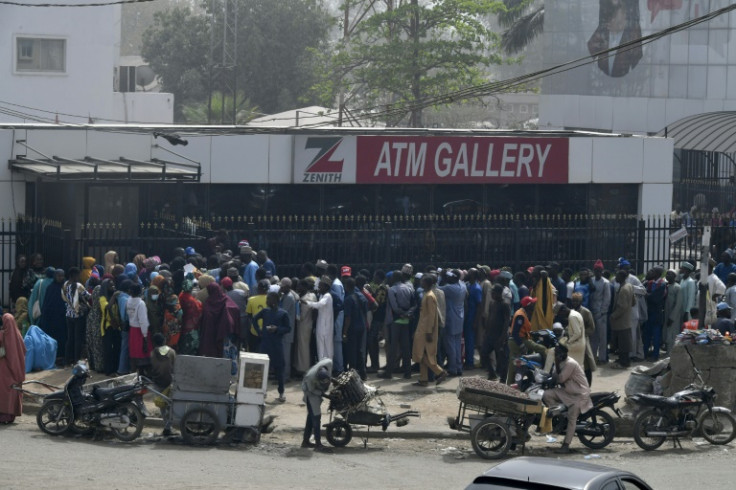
(688, 289)
(600, 301)
(723, 323)
(672, 311)
(574, 393)
(314, 385)
(520, 335)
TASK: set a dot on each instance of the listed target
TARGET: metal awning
(712, 132)
(98, 169)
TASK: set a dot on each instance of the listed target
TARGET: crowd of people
(440, 322)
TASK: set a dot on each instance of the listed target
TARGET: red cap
(527, 300)
(598, 264)
(345, 270)
(226, 282)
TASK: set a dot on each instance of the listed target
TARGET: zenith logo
(322, 168)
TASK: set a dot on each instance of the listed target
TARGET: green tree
(177, 49)
(199, 112)
(408, 52)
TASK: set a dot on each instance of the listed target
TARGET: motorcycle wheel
(55, 417)
(718, 427)
(339, 433)
(134, 429)
(650, 419)
(490, 439)
(601, 422)
(199, 426)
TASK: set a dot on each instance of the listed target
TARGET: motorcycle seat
(598, 396)
(535, 358)
(658, 400)
(100, 393)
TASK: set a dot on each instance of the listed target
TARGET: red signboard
(459, 160)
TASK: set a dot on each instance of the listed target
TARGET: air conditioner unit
(124, 79)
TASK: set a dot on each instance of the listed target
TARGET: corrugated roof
(712, 131)
(90, 168)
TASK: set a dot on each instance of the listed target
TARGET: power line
(95, 4)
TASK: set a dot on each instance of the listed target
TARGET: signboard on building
(430, 160)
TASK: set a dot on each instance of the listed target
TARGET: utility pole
(223, 73)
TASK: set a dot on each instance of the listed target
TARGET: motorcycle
(691, 411)
(595, 428)
(120, 409)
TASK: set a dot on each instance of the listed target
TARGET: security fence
(371, 242)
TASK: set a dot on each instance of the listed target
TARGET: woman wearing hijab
(177, 273)
(131, 272)
(53, 311)
(220, 317)
(111, 258)
(172, 314)
(155, 305)
(204, 281)
(118, 274)
(93, 333)
(12, 370)
(109, 332)
(17, 286)
(138, 261)
(35, 303)
(21, 315)
(139, 336)
(34, 272)
(191, 319)
(88, 264)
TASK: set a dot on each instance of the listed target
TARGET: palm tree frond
(523, 31)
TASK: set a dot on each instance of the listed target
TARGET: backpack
(113, 312)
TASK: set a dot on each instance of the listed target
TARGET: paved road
(31, 459)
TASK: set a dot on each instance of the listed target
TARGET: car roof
(549, 471)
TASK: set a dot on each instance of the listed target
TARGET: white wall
(86, 88)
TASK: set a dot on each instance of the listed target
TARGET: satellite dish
(144, 77)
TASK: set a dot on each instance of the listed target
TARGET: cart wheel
(199, 426)
(490, 439)
(339, 433)
(54, 417)
(134, 428)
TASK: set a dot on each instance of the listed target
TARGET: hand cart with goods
(354, 403)
(497, 416)
(201, 402)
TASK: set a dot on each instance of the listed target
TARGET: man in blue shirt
(275, 324)
(725, 267)
(249, 271)
(266, 263)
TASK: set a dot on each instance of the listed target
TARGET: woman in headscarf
(93, 333)
(138, 261)
(34, 272)
(35, 303)
(118, 274)
(17, 286)
(12, 370)
(109, 332)
(191, 318)
(204, 281)
(111, 258)
(154, 308)
(139, 335)
(88, 264)
(93, 281)
(172, 314)
(220, 317)
(21, 315)
(131, 271)
(53, 311)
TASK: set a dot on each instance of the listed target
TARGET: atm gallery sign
(430, 160)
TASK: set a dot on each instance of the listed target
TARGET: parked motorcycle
(120, 408)
(595, 428)
(691, 411)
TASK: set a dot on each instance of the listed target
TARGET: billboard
(689, 64)
(430, 160)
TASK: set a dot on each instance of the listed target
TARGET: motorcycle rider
(574, 393)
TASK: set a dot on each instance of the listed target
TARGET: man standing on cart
(574, 393)
(314, 385)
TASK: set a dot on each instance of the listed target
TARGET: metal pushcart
(354, 403)
(497, 421)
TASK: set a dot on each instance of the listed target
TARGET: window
(40, 55)
(523, 109)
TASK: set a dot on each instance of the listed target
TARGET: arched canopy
(711, 132)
